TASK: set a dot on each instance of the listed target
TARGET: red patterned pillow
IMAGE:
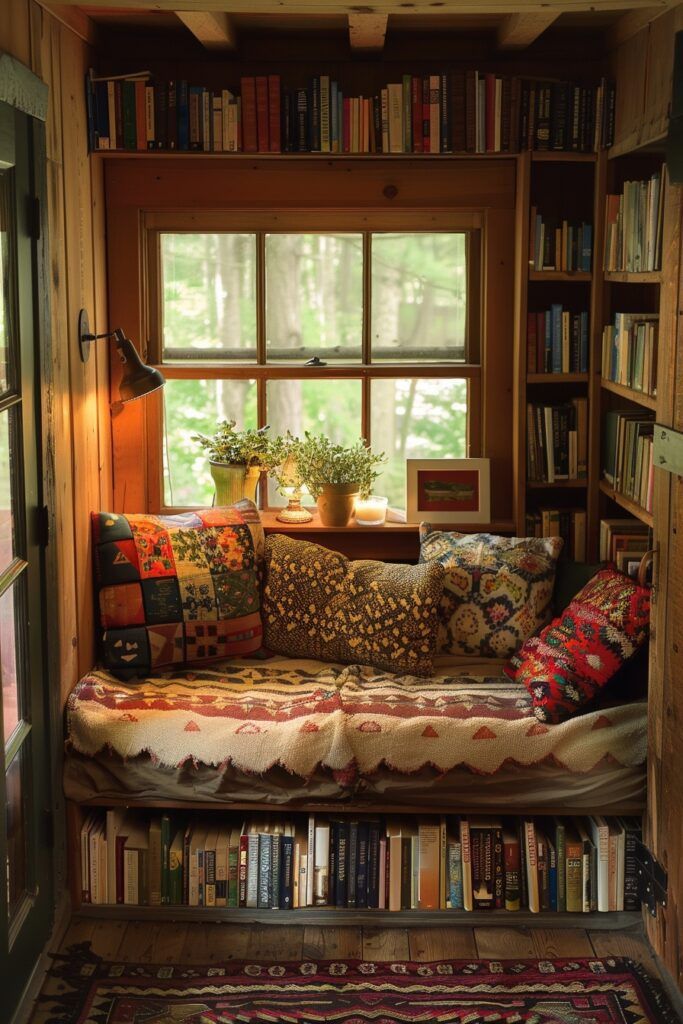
(177, 589)
(569, 662)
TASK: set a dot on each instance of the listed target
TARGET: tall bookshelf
(561, 186)
(630, 292)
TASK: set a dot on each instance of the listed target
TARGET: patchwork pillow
(497, 590)
(177, 589)
(319, 604)
(581, 650)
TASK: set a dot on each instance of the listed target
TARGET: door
(25, 895)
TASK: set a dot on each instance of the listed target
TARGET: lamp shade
(138, 379)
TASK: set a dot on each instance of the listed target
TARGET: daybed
(285, 731)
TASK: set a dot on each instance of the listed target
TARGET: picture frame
(448, 491)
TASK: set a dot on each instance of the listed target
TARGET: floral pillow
(497, 590)
(574, 657)
(319, 604)
(177, 589)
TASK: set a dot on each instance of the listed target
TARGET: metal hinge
(34, 217)
(652, 879)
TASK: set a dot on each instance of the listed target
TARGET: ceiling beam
(517, 31)
(213, 29)
(378, 6)
(367, 31)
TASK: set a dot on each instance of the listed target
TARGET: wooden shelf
(648, 401)
(560, 157)
(615, 920)
(627, 504)
(628, 277)
(541, 484)
(557, 378)
(559, 275)
(199, 154)
(271, 524)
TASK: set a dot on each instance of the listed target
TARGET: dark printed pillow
(568, 664)
(318, 604)
(177, 589)
(497, 590)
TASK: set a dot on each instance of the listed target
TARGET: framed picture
(448, 490)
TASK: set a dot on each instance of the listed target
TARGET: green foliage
(320, 461)
(242, 447)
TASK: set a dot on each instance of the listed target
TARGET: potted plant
(237, 458)
(334, 475)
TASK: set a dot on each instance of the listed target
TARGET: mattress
(287, 730)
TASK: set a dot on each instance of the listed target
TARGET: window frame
(158, 222)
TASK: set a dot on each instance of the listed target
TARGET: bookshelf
(630, 292)
(560, 186)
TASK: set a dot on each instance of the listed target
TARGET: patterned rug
(81, 989)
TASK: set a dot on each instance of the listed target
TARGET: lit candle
(371, 511)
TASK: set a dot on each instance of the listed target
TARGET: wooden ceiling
(220, 24)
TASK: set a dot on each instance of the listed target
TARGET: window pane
(314, 297)
(11, 710)
(329, 407)
(422, 418)
(16, 834)
(198, 406)
(419, 296)
(5, 265)
(6, 515)
(208, 292)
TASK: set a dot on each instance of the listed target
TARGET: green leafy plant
(243, 447)
(319, 462)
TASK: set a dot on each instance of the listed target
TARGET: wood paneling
(75, 397)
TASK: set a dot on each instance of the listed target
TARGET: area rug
(82, 989)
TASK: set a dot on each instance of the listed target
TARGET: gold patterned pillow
(497, 590)
(319, 604)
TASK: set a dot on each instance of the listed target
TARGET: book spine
(253, 862)
(511, 856)
(340, 860)
(265, 880)
(455, 896)
(262, 115)
(561, 851)
(210, 878)
(275, 871)
(274, 114)
(373, 865)
(498, 873)
(352, 866)
(286, 872)
(362, 869)
(249, 121)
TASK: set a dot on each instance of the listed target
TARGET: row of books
(633, 226)
(557, 341)
(465, 111)
(627, 454)
(624, 542)
(557, 441)
(568, 523)
(458, 863)
(629, 351)
(567, 246)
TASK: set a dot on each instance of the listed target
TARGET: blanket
(301, 715)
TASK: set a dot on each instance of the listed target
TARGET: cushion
(177, 589)
(319, 604)
(567, 666)
(569, 579)
(497, 590)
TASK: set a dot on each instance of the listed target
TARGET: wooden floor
(149, 942)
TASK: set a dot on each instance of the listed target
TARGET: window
(336, 330)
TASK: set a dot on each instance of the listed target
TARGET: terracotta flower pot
(234, 481)
(336, 504)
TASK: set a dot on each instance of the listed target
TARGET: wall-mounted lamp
(138, 379)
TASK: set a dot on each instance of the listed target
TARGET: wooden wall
(77, 445)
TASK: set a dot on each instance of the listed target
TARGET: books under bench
(459, 112)
(568, 523)
(557, 341)
(557, 441)
(629, 351)
(624, 542)
(634, 225)
(447, 863)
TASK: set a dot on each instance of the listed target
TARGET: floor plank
(504, 943)
(106, 938)
(81, 929)
(330, 943)
(629, 944)
(138, 943)
(452, 943)
(386, 944)
(561, 942)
